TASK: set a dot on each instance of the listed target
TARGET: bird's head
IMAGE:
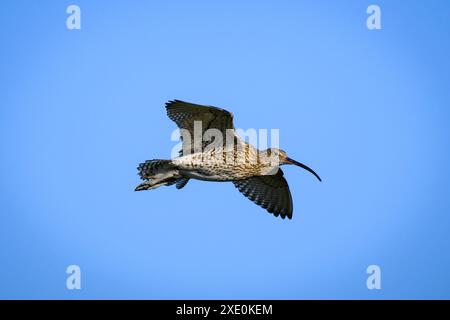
(284, 159)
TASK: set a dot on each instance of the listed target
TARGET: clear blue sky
(368, 110)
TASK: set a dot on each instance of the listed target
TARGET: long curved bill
(301, 165)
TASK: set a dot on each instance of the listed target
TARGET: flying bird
(255, 173)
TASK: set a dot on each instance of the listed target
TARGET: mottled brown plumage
(212, 151)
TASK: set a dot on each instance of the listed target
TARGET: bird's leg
(150, 184)
(155, 183)
(144, 186)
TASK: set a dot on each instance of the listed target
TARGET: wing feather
(270, 192)
(184, 114)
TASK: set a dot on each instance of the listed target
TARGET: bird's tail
(151, 168)
(158, 173)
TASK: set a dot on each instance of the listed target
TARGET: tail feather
(159, 172)
(149, 168)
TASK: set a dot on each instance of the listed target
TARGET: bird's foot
(151, 184)
(142, 186)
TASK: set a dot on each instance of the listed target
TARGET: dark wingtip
(170, 102)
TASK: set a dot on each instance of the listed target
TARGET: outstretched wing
(270, 192)
(184, 114)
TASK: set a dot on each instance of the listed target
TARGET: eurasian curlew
(212, 151)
